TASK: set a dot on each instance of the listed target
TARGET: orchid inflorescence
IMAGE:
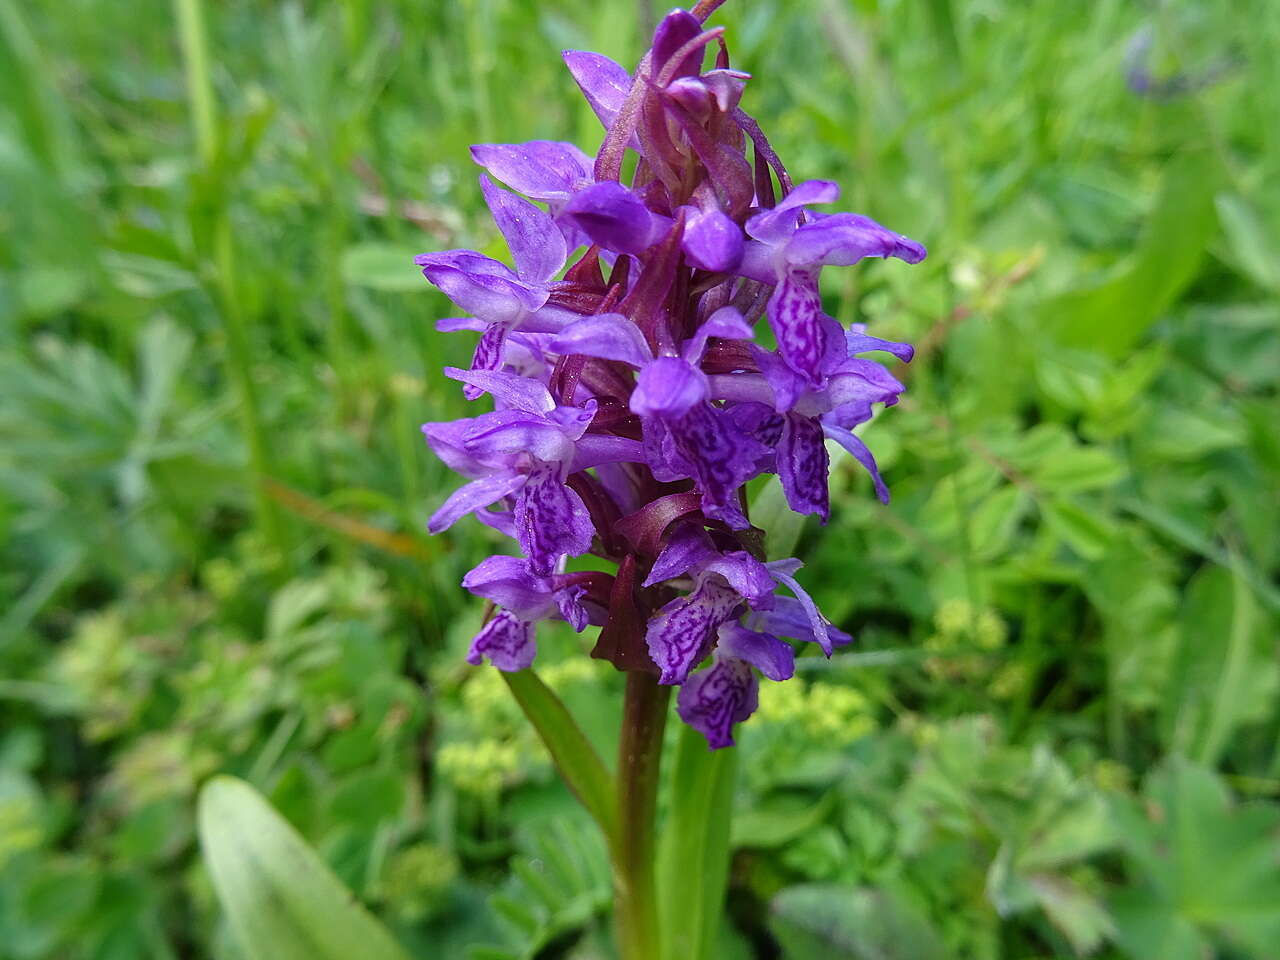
(633, 402)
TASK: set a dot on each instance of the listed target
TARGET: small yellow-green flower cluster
(479, 767)
(487, 702)
(828, 712)
(959, 626)
(20, 828)
(416, 880)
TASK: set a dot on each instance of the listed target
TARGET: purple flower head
(632, 403)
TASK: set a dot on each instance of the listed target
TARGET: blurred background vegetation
(1057, 734)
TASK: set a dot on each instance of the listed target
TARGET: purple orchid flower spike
(632, 403)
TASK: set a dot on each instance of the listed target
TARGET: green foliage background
(1057, 735)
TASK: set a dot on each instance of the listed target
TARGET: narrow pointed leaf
(575, 758)
(283, 902)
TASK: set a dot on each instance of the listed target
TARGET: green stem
(193, 39)
(639, 758)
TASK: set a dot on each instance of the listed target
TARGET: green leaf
(1081, 918)
(830, 922)
(995, 521)
(569, 747)
(1223, 674)
(1087, 532)
(1207, 869)
(776, 820)
(282, 901)
(559, 884)
(693, 859)
(1255, 250)
(381, 266)
(1074, 469)
(1113, 314)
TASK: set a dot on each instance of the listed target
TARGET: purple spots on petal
(551, 521)
(803, 465)
(716, 699)
(506, 641)
(681, 633)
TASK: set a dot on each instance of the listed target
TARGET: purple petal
(536, 243)
(551, 521)
(604, 83)
(802, 466)
(481, 285)
(549, 318)
(758, 262)
(668, 387)
(758, 419)
(722, 458)
(540, 169)
(511, 389)
(778, 223)
(569, 602)
(447, 441)
(744, 388)
(508, 583)
(845, 238)
(474, 496)
(716, 699)
(688, 547)
(747, 575)
(595, 449)
(714, 90)
(505, 435)
(660, 453)
(503, 521)
(610, 336)
(810, 341)
(712, 241)
(573, 421)
(679, 635)
(614, 217)
(487, 356)
(818, 624)
(789, 618)
(771, 656)
(860, 342)
(726, 323)
(506, 641)
(786, 384)
(863, 382)
(726, 87)
(453, 324)
(676, 29)
(858, 449)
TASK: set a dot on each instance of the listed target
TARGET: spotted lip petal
(681, 633)
(551, 521)
(507, 642)
(715, 700)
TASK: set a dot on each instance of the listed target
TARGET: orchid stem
(639, 758)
